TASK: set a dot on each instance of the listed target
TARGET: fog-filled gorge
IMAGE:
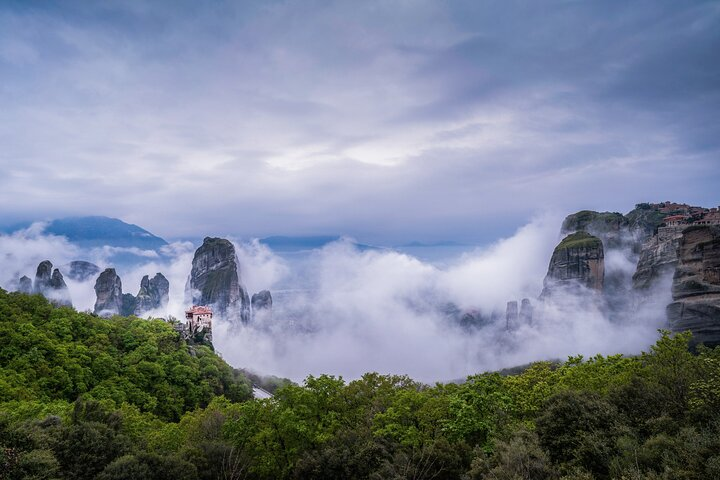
(346, 310)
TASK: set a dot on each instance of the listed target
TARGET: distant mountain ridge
(280, 243)
(98, 231)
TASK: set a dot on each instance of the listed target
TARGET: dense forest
(83, 397)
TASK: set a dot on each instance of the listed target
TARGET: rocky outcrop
(644, 220)
(129, 303)
(153, 295)
(696, 285)
(108, 289)
(511, 315)
(43, 274)
(215, 281)
(81, 271)
(58, 293)
(578, 260)
(50, 284)
(262, 305)
(615, 229)
(24, 284)
(526, 312)
(514, 318)
(610, 227)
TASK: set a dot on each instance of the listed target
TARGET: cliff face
(577, 260)
(214, 280)
(658, 258)
(696, 285)
(644, 220)
(108, 289)
(154, 294)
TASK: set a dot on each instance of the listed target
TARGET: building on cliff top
(674, 220)
(709, 216)
(199, 318)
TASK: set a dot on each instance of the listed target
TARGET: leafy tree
(579, 428)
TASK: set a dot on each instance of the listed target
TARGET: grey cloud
(386, 121)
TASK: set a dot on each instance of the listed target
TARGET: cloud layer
(350, 311)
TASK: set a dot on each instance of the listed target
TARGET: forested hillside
(83, 397)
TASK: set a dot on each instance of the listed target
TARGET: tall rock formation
(511, 315)
(696, 285)
(129, 303)
(42, 277)
(51, 284)
(80, 270)
(515, 318)
(215, 281)
(153, 295)
(24, 284)
(578, 260)
(59, 293)
(526, 312)
(108, 288)
(262, 305)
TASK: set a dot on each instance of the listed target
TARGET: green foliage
(579, 239)
(50, 354)
(520, 457)
(579, 429)
(83, 397)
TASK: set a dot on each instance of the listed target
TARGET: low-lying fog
(345, 311)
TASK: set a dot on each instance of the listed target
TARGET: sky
(386, 121)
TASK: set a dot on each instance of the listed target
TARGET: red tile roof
(199, 310)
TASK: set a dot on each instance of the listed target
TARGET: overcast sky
(388, 121)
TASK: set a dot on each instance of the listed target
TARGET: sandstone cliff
(658, 258)
(108, 289)
(696, 285)
(578, 260)
(214, 281)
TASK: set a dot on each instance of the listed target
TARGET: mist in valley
(346, 310)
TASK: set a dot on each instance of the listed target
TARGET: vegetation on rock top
(598, 222)
(579, 240)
